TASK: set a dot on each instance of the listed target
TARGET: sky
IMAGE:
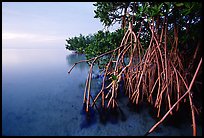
(46, 24)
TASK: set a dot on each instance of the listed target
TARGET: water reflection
(38, 96)
(73, 58)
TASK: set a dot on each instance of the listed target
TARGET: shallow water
(40, 98)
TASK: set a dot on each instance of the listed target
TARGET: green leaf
(114, 77)
(160, 6)
(140, 8)
(187, 4)
(149, 19)
(186, 11)
(179, 4)
(167, 3)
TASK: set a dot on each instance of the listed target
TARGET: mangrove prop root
(192, 110)
(156, 75)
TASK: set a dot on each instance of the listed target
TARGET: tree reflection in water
(83, 66)
(74, 57)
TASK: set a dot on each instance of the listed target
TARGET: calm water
(40, 98)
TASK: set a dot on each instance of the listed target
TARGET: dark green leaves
(114, 77)
(109, 12)
(155, 10)
(179, 4)
(94, 45)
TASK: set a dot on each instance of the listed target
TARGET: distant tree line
(96, 44)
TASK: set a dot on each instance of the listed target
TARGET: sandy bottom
(61, 114)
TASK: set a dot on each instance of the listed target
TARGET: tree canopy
(182, 12)
(183, 20)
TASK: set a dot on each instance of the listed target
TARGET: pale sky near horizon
(46, 24)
